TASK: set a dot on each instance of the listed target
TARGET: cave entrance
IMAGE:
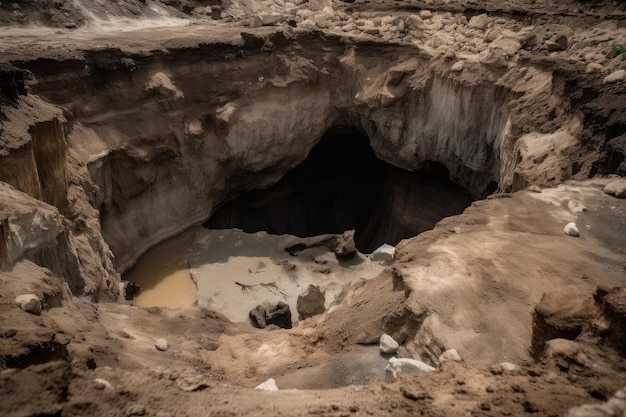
(342, 185)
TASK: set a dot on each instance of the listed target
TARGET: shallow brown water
(163, 274)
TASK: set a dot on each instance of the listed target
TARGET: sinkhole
(341, 186)
(239, 258)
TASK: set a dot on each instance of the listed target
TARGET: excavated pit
(341, 186)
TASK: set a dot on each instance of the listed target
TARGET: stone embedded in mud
(162, 345)
(311, 302)
(384, 253)
(269, 385)
(346, 248)
(616, 188)
(387, 344)
(267, 314)
(29, 303)
(571, 229)
(398, 366)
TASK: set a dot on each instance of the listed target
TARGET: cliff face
(167, 136)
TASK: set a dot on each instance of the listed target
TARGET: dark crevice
(342, 185)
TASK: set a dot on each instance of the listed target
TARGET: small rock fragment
(384, 253)
(103, 382)
(161, 344)
(570, 229)
(458, 66)
(269, 385)
(29, 303)
(346, 248)
(615, 77)
(387, 344)
(450, 355)
(616, 188)
(311, 302)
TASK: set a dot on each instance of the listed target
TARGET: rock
(561, 41)
(252, 41)
(458, 66)
(527, 35)
(450, 355)
(29, 303)
(576, 206)
(593, 67)
(269, 385)
(508, 366)
(387, 344)
(161, 84)
(129, 290)
(508, 45)
(398, 366)
(384, 253)
(571, 229)
(311, 302)
(346, 248)
(162, 345)
(270, 18)
(614, 407)
(616, 188)
(479, 22)
(425, 14)
(103, 383)
(496, 58)
(316, 5)
(615, 77)
(267, 314)
(534, 189)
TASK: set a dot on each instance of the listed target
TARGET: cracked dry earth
(123, 124)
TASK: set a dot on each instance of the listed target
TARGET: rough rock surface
(311, 302)
(268, 314)
(29, 303)
(387, 344)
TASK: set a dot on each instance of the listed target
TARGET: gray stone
(311, 302)
(29, 303)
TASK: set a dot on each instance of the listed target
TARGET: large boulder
(266, 314)
(311, 302)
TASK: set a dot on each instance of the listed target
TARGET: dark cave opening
(342, 185)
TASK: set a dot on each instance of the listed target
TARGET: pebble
(570, 229)
(161, 344)
(388, 344)
(29, 303)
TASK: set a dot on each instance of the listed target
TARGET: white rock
(103, 382)
(479, 22)
(320, 4)
(269, 385)
(29, 303)
(508, 366)
(458, 66)
(384, 253)
(450, 355)
(615, 77)
(616, 188)
(593, 67)
(571, 229)
(576, 206)
(161, 344)
(398, 366)
(387, 344)
(270, 18)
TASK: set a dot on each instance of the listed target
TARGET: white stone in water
(269, 385)
(450, 355)
(387, 344)
(161, 344)
(398, 366)
(29, 303)
(571, 229)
